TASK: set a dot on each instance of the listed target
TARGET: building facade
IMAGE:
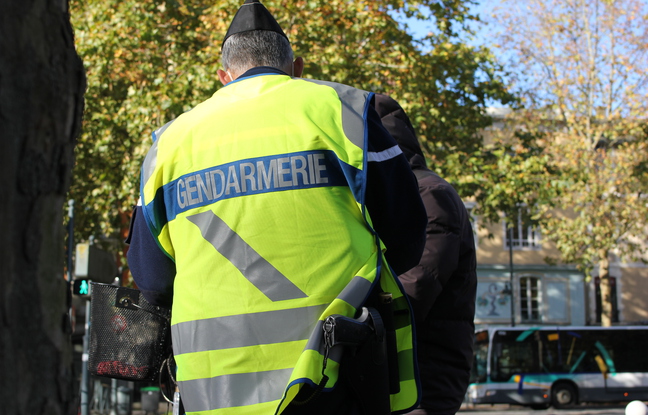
(516, 286)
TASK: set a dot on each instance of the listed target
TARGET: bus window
(607, 359)
(549, 352)
(478, 372)
(602, 366)
(513, 354)
(633, 357)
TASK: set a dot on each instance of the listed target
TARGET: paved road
(618, 409)
(589, 409)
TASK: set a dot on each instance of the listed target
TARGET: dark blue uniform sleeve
(393, 200)
(152, 270)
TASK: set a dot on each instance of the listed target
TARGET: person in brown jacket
(442, 287)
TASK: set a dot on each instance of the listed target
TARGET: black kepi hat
(253, 16)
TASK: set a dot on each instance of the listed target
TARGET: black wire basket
(129, 337)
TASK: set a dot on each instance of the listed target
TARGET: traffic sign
(81, 286)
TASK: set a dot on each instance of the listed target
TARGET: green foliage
(606, 200)
(447, 102)
(146, 62)
(149, 61)
(506, 174)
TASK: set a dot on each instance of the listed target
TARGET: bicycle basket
(129, 337)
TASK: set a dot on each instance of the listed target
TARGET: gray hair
(246, 50)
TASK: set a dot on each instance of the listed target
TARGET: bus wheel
(563, 395)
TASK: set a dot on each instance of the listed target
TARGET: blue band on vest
(292, 171)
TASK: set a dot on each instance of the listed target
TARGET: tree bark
(42, 82)
(606, 293)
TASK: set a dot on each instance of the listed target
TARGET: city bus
(559, 366)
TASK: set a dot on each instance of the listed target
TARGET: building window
(525, 235)
(530, 299)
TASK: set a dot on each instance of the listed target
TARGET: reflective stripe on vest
(253, 266)
(224, 391)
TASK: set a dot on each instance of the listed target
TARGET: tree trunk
(41, 102)
(606, 292)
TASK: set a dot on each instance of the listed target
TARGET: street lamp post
(511, 276)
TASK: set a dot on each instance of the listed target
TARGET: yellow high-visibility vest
(257, 194)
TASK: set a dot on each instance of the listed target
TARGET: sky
(420, 28)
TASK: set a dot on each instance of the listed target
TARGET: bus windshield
(478, 374)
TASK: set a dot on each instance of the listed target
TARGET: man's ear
(224, 77)
(298, 67)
